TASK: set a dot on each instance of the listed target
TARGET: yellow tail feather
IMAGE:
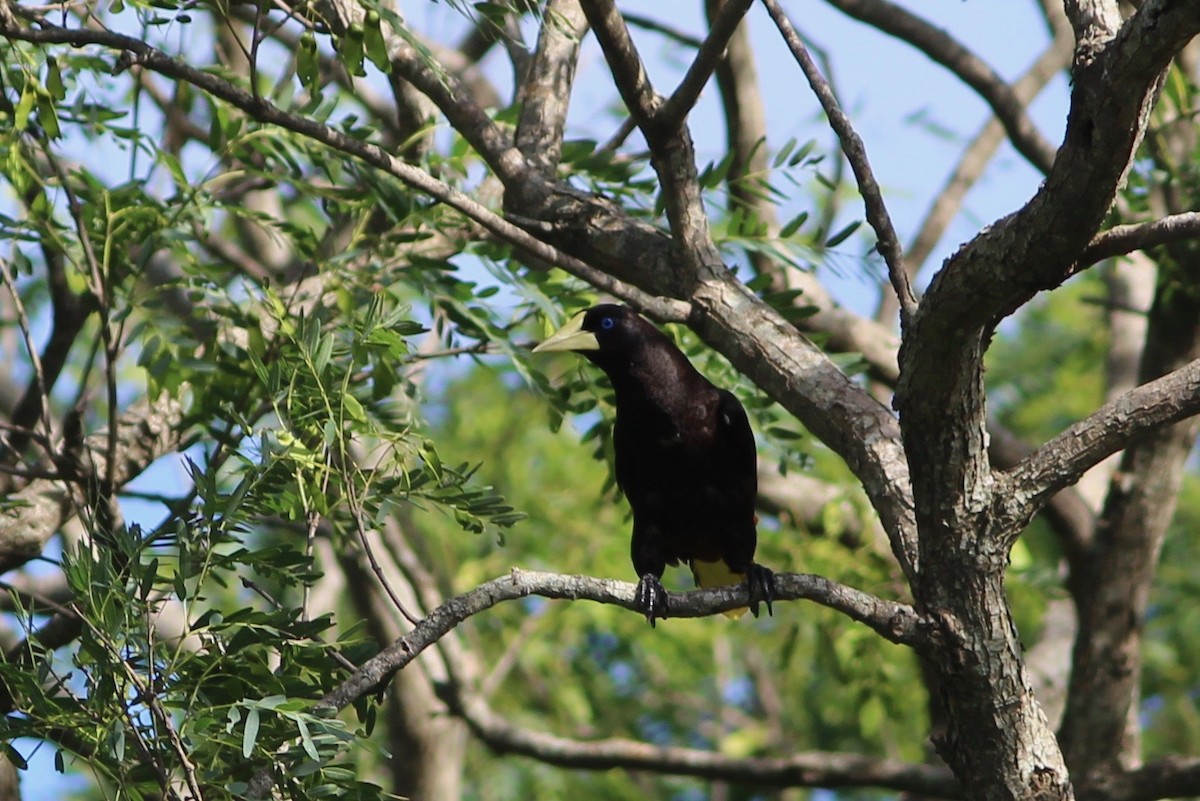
(717, 574)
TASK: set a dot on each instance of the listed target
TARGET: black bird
(685, 458)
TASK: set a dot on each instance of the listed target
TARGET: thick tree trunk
(997, 739)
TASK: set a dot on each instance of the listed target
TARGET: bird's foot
(760, 582)
(651, 598)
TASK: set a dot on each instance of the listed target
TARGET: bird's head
(607, 329)
(624, 345)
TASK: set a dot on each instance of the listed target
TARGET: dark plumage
(685, 457)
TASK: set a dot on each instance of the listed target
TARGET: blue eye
(607, 323)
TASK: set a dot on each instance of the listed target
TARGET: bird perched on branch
(685, 458)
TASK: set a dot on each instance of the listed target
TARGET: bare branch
(672, 153)
(711, 52)
(623, 60)
(1110, 428)
(1170, 777)
(674, 34)
(896, 622)
(811, 769)
(856, 153)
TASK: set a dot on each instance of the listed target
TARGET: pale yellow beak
(570, 337)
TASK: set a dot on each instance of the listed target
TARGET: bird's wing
(734, 443)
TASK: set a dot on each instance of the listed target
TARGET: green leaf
(14, 756)
(308, 63)
(250, 733)
(374, 44)
(24, 107)
(801, 154)
(306, 740)
(47, 115)
(350, 50)
(116, 740)
(793, 225)
(54, 82)
(354, 409)
(843, 234)
(784, 152)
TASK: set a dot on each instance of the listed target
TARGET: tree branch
(626, 66)
(711, 52)
(978, 154)
(1169, 777)
(813, 769)
(1122, 239)
(746, 133)
(673, 34)
(896, 622)
(1109, 429)
(672, 154)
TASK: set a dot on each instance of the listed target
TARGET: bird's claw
(760, 583)
(651, 598)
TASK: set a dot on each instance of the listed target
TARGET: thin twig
(798, 769)
(102, 292)
(674, 34)
(672, 114)
(856, 153)
(627, 126)
(377, 569)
